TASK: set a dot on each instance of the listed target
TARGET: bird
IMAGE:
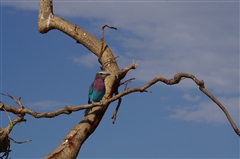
(97, 89)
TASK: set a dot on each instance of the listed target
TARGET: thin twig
(18, 101)
(114, 116)
(7, 115)
(102, 39)
(126, 82)
(21, 142)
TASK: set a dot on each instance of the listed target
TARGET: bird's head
(102, 74)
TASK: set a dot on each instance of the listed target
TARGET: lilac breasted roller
(97, 89)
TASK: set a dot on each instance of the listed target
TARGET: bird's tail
(87, 111)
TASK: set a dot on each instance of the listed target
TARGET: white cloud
(48, 104)
(188, 97)
(208, 112)
(166, 38)
(88, 60)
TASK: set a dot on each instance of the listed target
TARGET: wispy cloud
(88, 60)
(188, 97)
(208, 112)
(166, 38)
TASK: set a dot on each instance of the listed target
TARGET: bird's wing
(90, 91)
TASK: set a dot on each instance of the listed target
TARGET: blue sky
(51, 70)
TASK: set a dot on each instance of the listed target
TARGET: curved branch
(70, 145)
(177, 78)
(205, 91)
(102, 39)
(48, 21)
(81, 131)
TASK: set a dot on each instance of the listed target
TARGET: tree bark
(72, 142)
(70, 146)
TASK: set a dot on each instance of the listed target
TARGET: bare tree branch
(67, 110)
(69, 147)
(126, 82)
(48, 21)
(19, 142)
(114, 116)
(177, 78)
(205, 91)
(4, 133)
(18, 101)
(102, 39)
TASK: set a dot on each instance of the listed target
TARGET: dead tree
(74, 139)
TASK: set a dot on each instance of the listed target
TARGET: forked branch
(72, 142)
(177, 78)
(102, 39)
(4, 132)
